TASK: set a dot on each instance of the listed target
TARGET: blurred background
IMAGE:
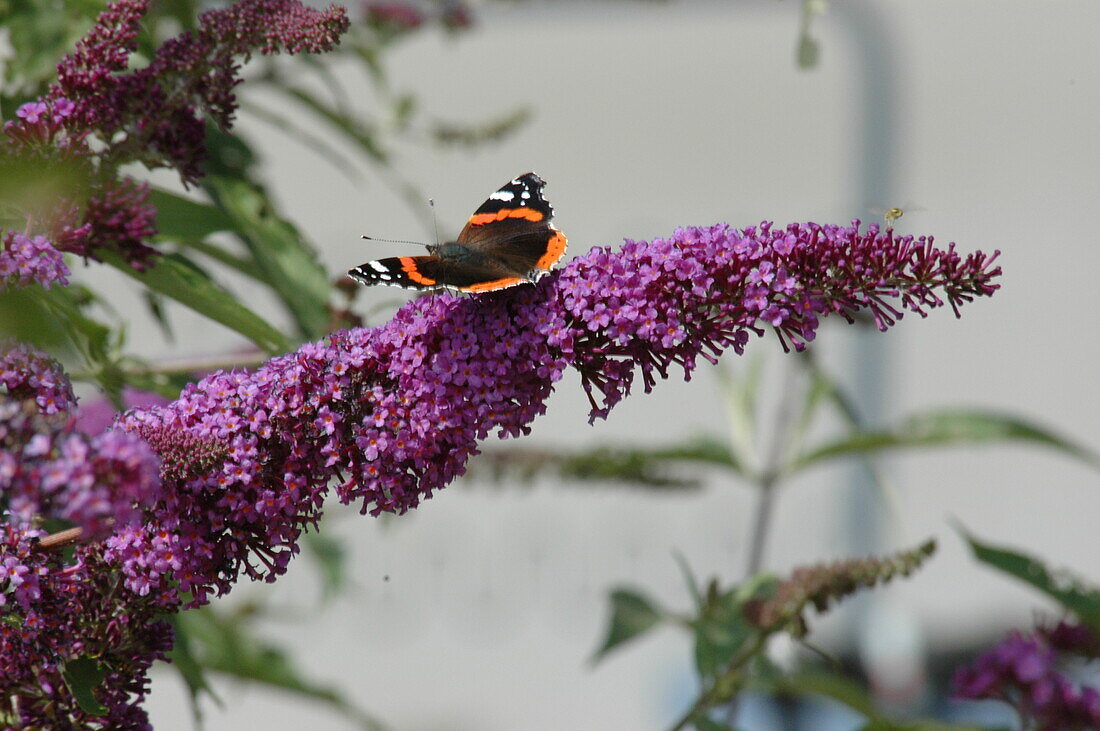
(482, 609)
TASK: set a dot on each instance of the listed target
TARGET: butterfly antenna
(435, 222)
(392, 241)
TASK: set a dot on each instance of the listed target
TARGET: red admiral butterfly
(508, 241)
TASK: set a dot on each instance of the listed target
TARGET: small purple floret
(26, 260)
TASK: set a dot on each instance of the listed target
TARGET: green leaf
(190, 669)
(287, 261)
(703, 449)
(351, 127)
(689, 579)
(720, 631)
(884, 724)
(1073, 594)
(25, 317)
(98, 345)
(470, 135)
(242, 264)
(702, 722)
(182, 219)
(82, 676)
(739, 392)
(831, 685)
(948, 427)
(91, 338)
(819, 390)
(633, 467)
(632, 615)
(230, 156)
(155, 304)
(222, 643)
(849, 693)
(317, 143)
(174, 276)
(331, 558)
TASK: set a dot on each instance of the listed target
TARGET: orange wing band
(494, 285)
(555, 248)
(480, 219)
(408, 265)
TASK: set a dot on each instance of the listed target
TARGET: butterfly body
(509, 240)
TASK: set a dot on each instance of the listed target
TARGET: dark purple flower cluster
(119, 218)
(52, 615)
(159, 106)
(20, 571)
(393, 16)
(28, 374)
(151, 115)
(98, 117)
(1072, 638)
(1022, 671)
(30, 259)
(94, 68)
(391, 19)
(49, 470)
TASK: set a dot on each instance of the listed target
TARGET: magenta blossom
(26, 260)
(48, 470)
(1022, 672)
(28, 374)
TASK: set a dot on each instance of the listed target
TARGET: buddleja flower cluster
(391, 414)
(1023, 671)
(99, 116)
(820, 585)
(51, 613)
(26, 260)
(48, 470)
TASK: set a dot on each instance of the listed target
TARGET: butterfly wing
(513, 226)
(508, 241)
(425, 273)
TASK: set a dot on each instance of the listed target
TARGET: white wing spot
(378, 266)
(502, 195)
(526, 194)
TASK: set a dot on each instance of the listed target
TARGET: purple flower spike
(393, 414)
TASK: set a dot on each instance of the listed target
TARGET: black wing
(429, 272)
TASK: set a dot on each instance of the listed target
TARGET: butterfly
(508, 241)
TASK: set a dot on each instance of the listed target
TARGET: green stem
(773, 468)
(726, 685)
